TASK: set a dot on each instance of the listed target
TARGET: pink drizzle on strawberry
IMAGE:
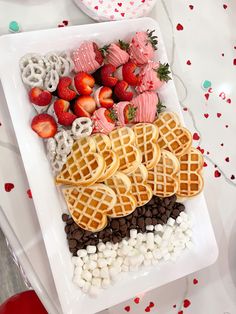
(141, 50)
(101, 125)
(149, 78)
(116, 56)
(84, 58)
(146, 104)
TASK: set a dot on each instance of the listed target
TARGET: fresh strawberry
(40, 97)
(121, 91)
(129, 113)
(103, 97)
(109, 115)
(84, 83)
(61, 105)
(98, 53)
(84, 106)
(64, 89)
(129, 75)
(44, 125)
(66, 118)
(106, 75)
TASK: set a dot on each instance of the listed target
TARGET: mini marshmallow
(166, 256)
(85, 266)
(157, 253)
(140, 237)
(86, 275)
(92, 265)
(82, 253)
(124, 268)
(85, 259)
(132, 242)
(102, 262)
(171, 222)
(96, 272)
(167, 233)
(133, 233)
(77, 261)
(78, 270)
(96, 282)
(94, 257)
(179, 220)
(157, 239)
(148, 255)
(109, 260)
(81, 283)
(150, 228)
(184, 226)
(104, 273)
(101, 246)
(107, 253)
(91, 249)
(189, 245)
(158, 228)
(109, 245)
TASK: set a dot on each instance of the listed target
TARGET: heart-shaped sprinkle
(122, 14)
(119, 4)
(205, 164)
(207, 96)
(186, 303)
(180, 312)
(185, 109)
(200, 149)
(232, 177)
(196, 137)
(137, 300)
(206, 115)
(217, 174)
(147, 309)
(228, 101)
(226, 126)
(227, 159)
(222, 95)
(127, 308)
(96, 7)
(179, 27)
(188, 62)
(60, 25)
(65, 22)
(131, 3)
(225, 6)
(195, 281)
(8, 187)
(116, 10)
(218, 114)
(29, 193)
(191, 7)
(222, 144)
(174, 306)
(151, 304)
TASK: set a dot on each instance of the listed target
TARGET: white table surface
(208, 42)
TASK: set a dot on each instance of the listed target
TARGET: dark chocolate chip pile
(157, 211)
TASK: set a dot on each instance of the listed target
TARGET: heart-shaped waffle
(83, 166)
(146, 135)
(173, 136)
(123, 140)
(103, 144)
(89, 206)
(126, 202)
(139, 187)
(163, 177)
(189, 176)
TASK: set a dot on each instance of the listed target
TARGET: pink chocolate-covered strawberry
(152, 76)
(125, 112)
(103, 121)
(146, 104)
(142, 47)
(87, 58)
(117, 54)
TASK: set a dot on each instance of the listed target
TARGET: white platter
(45, 195)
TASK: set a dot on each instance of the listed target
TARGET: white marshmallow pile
(97, 267)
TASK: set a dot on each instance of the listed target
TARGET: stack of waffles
(110, 175)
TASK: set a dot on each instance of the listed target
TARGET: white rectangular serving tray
(45, 195)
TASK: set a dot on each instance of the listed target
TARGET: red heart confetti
(122, 14)
(119, 4)
(8, 187)
(29, 193)
(228, 101)
(218, 114)
(222, 144)
(116, 10)
(205, 164)
(174, 306)
(179, 27)
(215, 166)
(226, 126)
(223, 54)
(206, 115)
(225, 6)
(210, 90)
(234, 47)
(127, 308)
(227, 159)
(96, 7)
(217, 174)
(147, 309)
(208, 153)
(191, 7)
(137, 300)
(65, 22)
(180, 312)
(234, 62)
(207, 96)
(151, 304)
(196, 137)
(222, 95)
(143, 1)
(186, 303)
(200, 149)
(188, 62)
(185, 109)
(61, 25)
(232, 177)
(195, 281)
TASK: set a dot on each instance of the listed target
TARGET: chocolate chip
(148, 213)
(67, 229)
(148, 221)
(115, 224)
(122, 221)
(72, 243)
(70, 221)
(162, 210)
(78, 234)
(141, 222)
(65, 217)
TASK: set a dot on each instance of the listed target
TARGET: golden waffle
(189, 176)
(83, 166)
(123, 140)
(126, 202)
(163, 177)
(146, 135)
(89, 206)
(103, 144)
(173, 136)
(139, 187)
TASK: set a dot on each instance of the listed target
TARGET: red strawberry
(84, 83)
(40, 97)
(61, 105)
(103, 97)
(109, 116)
(106, 75)
(84, 106)
(66, 118)
(121, 91)
(64, 89)
(98, 54)
(129, 113)
(129, 75)
(44, 125)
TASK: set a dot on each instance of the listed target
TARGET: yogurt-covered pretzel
(66, 56)
(51, 145)
(81, 127)
(51, 80)
(33, 75)
(31, 58)
(64, 67)
(52, 61)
